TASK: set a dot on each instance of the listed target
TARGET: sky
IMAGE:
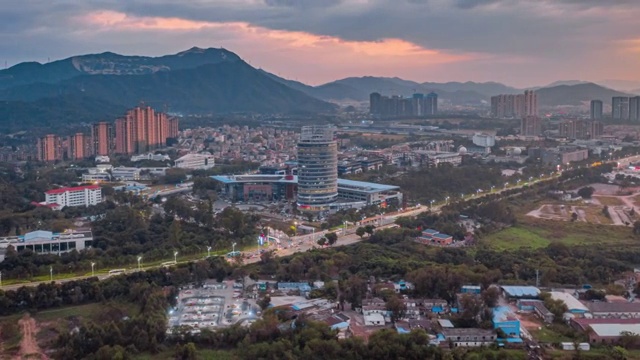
(521, 43)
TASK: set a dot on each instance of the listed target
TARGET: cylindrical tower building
(317, 168)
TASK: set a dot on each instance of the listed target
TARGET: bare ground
(29, 346)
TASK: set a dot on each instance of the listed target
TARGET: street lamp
(506, 184)
(51, 272)
(446, 200)
(0, 279)
(430, 204)
(233, 247)
(92, 268)
(139, 259)
(175, 257)
(492, 187)
(208, 251)
(344, 227)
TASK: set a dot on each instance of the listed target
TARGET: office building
(620, 108)
(142, 130)
(596, 109)
(317, 168)
(74, 196)
(634, 108)
(196, 162)
(47, 242)
(397, 106)
(101, 138)
(49, 148)
(77, 147)
(563, 155)
(484, 140)
(531, 126)
(514, 106)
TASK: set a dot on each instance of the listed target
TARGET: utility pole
(537, 278)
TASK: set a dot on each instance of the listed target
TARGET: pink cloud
(294, 54)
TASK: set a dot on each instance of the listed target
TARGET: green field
(538, 233)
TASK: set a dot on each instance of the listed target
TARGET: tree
(322, 241)
(264, 302)
(574, 216)
(369, 229)
(360, 231)
(332, 238)
(396, 307)
(586, 192)
(491, 296)
(629, 340)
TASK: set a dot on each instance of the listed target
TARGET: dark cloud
(470, 4)
(302, 3)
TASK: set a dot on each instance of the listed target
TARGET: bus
(233, 254)
(116, 272)
(167, 264)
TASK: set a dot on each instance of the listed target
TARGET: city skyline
(421, 40)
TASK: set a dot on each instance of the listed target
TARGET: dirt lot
(29, 346)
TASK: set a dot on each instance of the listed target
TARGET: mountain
(636, 91)
(486, 88)
(579, 94)
(565, 82)
(109, 63)
(196, 81)
(623, 85)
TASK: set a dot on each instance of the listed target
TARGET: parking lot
(213, 305)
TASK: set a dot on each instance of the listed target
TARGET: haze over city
(520, 43)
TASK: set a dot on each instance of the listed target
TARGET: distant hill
(359, 89)
(575, 94)
(196, 81)
(109, 63)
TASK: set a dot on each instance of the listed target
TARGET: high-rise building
(101, 138)
(514, 106)
(317, 168)
(596, 109)
(580, 129)
(530, 103)
(143, 129)
(431, 104)
(620, 108)
(634, 108)
(395, 106)
(531, 126)
(77, 147)
(49, 148)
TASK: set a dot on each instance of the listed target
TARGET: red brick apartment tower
(49, 148)
(77, 147)
(173, 127)
(125, 136)
(101, 137)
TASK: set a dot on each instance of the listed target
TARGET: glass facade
(317, 168)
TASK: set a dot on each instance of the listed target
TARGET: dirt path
(29, 346)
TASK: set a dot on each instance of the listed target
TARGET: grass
(548, 335)
(609, 201)
(539, 233)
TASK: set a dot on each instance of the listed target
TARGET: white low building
(74, 196)
(374, 319)
(150, 156)
(196, 161)
(47, 242)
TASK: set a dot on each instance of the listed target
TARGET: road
(308, 241)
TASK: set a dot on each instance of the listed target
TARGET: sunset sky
(518, 42)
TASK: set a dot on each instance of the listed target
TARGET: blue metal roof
(521, 291)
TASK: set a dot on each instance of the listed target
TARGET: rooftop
(613, 307)
(521, 291)
(614, 329)
(77, 188)
(467, 332)
(503, 314)
(572, 303)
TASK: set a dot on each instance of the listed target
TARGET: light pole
(92, 268)
(344, 227)
(0, 279)
(51, 272)
(208, 251)
(233, 247)
(446, 200)
(139, 259)
(175, 257)
(506, 184)
(492, 187)
(430, 204)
